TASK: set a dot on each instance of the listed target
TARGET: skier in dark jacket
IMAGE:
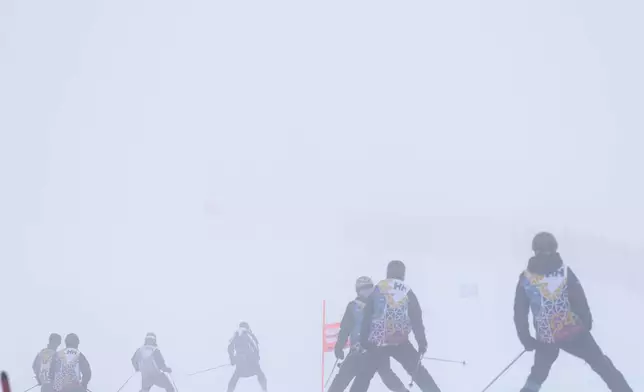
(150, 362)
(562, 317)
(243, 351)
(42, 363)
(350, 329)
(70, 369)
(392, 311)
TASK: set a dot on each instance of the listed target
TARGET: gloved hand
(422, 348)
(38, 381)
(84, 384)
(339, 352)
(232, 361)
(529, 343)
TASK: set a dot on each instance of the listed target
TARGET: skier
(71, 371)
(150, 362)
(562, 317)
(390, 314)
(42, 363)
(350, 329)
(243, 351)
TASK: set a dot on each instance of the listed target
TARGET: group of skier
(65, 370)
(379, 320)
(377, 323)
(68, 370)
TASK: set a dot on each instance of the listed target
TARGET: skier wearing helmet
(70, 370)
(391, 312)
(350, 330)
(150, 362)
(562, 317)
(243, 351)
(42, 362)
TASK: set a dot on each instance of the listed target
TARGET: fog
(178, 167)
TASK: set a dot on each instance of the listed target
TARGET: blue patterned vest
(390, 324)
(554, 319)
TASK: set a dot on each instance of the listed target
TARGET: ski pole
(445, 360)
(32, 388)
(208, 370)
(420, 360)
(503, 371)
(335, 365)
(173, 383)
(5, 382)
(125, 383)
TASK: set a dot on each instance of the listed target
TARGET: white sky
(177, 167)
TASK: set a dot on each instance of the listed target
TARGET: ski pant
(47, 387)
(73, 388)
(352, 366)
(247, 369)
(584, 347)
(406, 355)
(160, 380)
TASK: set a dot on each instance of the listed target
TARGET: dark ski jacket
(243, 347)
(83, 365)
(575, 310)
(157, 356)
(351, 323)
(44, 357)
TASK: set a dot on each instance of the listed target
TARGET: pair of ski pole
(411, 384)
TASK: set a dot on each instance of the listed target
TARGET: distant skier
(150, 362)
(243, 351)
(42, 363)
(350, 329)
(391, 312)
(562, 317)
(71, 371)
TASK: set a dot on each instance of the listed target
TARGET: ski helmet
(244, 324)
(544, 242)
(396, 270)
(55, 338)
(363, 282)
(72, 340)
(151, 336)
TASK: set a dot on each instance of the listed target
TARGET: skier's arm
(231, 349)
(522, 312)
(135, 362)
(36, 367)
(416, 317)
(86, 370)
(367, 315)
(159, 360)
(578, 300)
(346, 326)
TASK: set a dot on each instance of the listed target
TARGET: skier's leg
(233, 381)
(261, 378)
(368, 365)
(586, 348)
(347, 371)
(146, 383)
(163, 381)
(544, 356)
(409, 358)
(389, 378)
